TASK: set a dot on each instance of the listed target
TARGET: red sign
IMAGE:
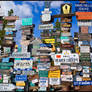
(67, 46)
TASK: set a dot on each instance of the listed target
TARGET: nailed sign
(45, 26)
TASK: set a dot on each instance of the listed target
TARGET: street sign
(83, 7)
(26, 21)
(21, 78)
(45, 26)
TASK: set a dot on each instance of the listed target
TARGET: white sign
(10, 38)
(7, 87)
(43, 82)
(20, 55)
(24, 48)
(65, 67)
(84, 23)
(86, 75)
(45, 26)
(54, 81)
(23, 64)
(66, 78)
(66, 57)
(78, 78)
(85, 49)
(65, 34)
(11, 23)
(46, 15)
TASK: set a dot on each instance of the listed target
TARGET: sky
(32, 9)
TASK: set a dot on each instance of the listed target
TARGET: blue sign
(78, 83)
(45, 45)
(21, 78)
(83, 7)
(85, 43)
(5, 59)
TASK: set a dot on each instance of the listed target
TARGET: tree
(10, 13)
(57, 25)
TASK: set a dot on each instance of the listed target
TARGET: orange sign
(58, 56)
(84, 15)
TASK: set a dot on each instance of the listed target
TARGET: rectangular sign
(83, 7)
(10, 18)
(85, 49)
(67, 25)
(54, 74)
(80, 23)
(23, 64)
(45, 26)
(21, 78)
(80, 83)
(5, 59)
(26, 21)
(49, 40)
(65, 34)
(45, 45)
(54, 81)
(67, 19)
(20, 83)
(84, 29)
(7, 87)
(6, 64)
(66, 77)
(43, 73)
(84, 15)
(20, 55)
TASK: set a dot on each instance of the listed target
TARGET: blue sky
(32, 9)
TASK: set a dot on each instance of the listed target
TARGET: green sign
(26, 21)
(5, 67)
(86, 58)
(6, 64)
(64, 37)
(43, 73)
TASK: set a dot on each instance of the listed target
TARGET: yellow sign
(77, 49)
(66, 8)
(54, 74)
(20, 83)
(49, 40)
(86, 79)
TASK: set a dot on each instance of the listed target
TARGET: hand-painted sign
(83, 7)
(45, 26)
(26, 21)
(21, 78)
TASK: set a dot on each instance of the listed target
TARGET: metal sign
(45, 26)
(66, 77)
(23, 64)
(7, 87)
(66, 57)
(84, 49)
(80, 83)
(83, 7)
(20, 55)
(49, 40)
(21, 78)
(26, 21)
(80, 23)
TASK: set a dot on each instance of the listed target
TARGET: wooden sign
(84, 29)
(67, 19)
(67, 25)
(66, 8)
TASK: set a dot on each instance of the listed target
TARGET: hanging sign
(7, 87)
(45, 26)
(83, 7)
(23, 64)
(21, 78)
(20, 55)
